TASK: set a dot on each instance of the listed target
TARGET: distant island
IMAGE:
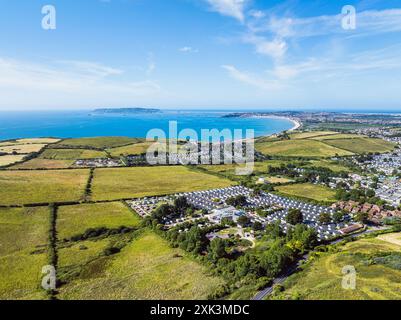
(126, 110)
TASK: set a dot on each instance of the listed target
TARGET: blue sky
(230, 54)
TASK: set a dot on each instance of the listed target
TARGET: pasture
(362, 145)
(132, 149)
(39, 163)
(23, 252)
(300, 148)
(25, 187)
(75, 220)
(147, 268)
(125, 183)
(308, 191)
(72, 154)
(10, 159)
(321, 279)
(99, 142)
(22, 148)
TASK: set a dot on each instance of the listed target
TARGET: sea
(78, 124)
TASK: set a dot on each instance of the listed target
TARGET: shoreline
(296, 122)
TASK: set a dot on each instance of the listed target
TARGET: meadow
(76, 219)
(22, 148)
(38, 163)
(26, 187)
(125, 183)
(10, 159)
(362, 145)
(321, 278)
(71, 154)
(99, 142)
(308, 191)
(300, 148)
(23, 252)
(132, 149)
(147, 268)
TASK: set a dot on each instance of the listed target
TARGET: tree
(294, 217)
(217, 249)
(237, 201)
(181, 204)
(257, 226)
(243, 221)
(164, 210)
(362, 217)
(324, 218)
(338, 216)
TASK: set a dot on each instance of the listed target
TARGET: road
(279, 280)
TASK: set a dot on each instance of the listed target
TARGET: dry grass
(22, 148)
(10, 159)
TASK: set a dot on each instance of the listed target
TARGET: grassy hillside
(24, 187)
(362, 145)
(23, 252)
(377, 277)
(300, 148)
(72, 154)
(148, 268)
(99, 142)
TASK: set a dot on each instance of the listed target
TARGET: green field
(23, 252)
(132, 149)
(72, 154)
(362, 145)
(332, 165)
(99, 142)
(24, 187)
(311, 134)
(308, 191)
(75, 220)
(124, 183)
(300, 148)
(145, 269)
(321, 279)
(39, 163)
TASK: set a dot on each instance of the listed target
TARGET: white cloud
(230, 8)
(66, 83)
(188, 50)
(275, 48)
(251, 79)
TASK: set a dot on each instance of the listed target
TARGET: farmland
(71, 154)
(10, 159)
(24, 187)
(22, 148)
(38, 163)
(75, 220)
(147, 268)
(301, 148)
(322, 277)
(362, 145)
(322, 144)
(132, 149)
(23, 252)
(123, 183)
(308, 191)
(99, 142)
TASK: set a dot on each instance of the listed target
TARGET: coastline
(297, 123)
